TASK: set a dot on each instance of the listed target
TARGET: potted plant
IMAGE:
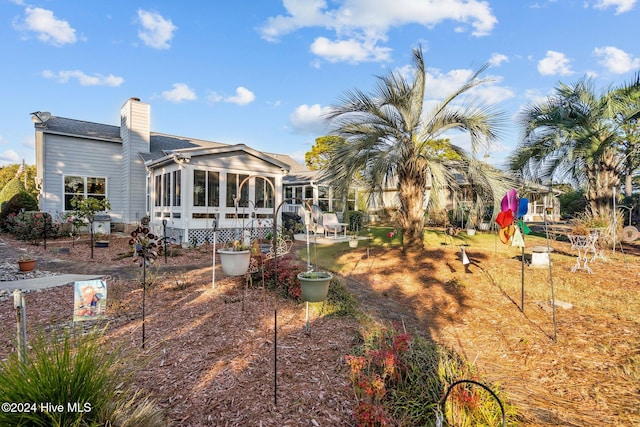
(471, 224)
(353, 239)
(314, 285)
(235, 259)
(26, 262)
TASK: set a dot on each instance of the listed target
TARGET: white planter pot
(471, 232)
(235, 263)
(484, 226)
(353, 243)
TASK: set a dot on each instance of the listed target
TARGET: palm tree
(388, 137)
(629, 144)
(573, 136)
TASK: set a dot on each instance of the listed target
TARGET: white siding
(64, 155)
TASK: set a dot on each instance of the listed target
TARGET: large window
(233, 183)
(264, 193)
(158, 190)
(323, 197)
(83, 186)
(206, 188)
(177, 176)
(294, 194)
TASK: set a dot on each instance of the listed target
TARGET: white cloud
(554, 63)
(214, 97)
(497, 59)
(180, 92)
(616, 60)
(350, 50)
(360, 25)
(156, 31)
(621, 6)
(441, 85)
(84, 79)
(9, 157)
(243, 96)
(49, 28)
(309, 119)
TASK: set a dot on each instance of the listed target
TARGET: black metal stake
(164, 231)
(144, 293)
(522, 291)
(45, 229)
(91, 233)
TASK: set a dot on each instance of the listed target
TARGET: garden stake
(213, 278)
(553, 299)
(522, 290)
(164, 235)
(144, 295)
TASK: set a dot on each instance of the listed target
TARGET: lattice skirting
(200, 236)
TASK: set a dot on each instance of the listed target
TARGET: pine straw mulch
(589, 375)
(208, 358)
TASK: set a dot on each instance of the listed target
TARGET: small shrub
(73, 369)
(286, 279)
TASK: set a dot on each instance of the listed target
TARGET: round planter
(353, 243)
(27, 265)
(102, 243)
(235, 263)
(471, 232)
(315, 287)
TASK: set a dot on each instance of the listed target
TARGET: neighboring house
(186, 182)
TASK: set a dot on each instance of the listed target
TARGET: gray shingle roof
(162, 143)
(63, 125)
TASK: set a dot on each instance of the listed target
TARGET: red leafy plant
(374, 372)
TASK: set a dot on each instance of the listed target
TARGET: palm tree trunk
(628, 182)
(411, 191)
(601, 178)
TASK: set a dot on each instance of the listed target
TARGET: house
(183, 186)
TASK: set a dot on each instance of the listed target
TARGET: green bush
(22, 201)
(572, 203)
(12, 188)
(75, 371)
(354, 219)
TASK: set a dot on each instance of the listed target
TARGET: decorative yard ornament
(145, 249)
(465, 258)
(512, 227)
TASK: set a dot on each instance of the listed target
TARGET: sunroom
(232, 189)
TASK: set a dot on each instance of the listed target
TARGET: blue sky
(263, 72)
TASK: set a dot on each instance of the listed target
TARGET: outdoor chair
(331, 224)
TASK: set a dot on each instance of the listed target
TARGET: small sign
(90, 301)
